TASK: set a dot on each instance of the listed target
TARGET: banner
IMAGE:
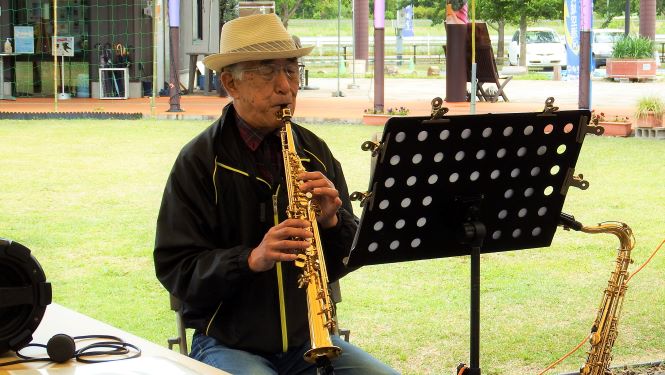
(571, 18)
(405, 16)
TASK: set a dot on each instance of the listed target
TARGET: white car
(603, 43)
(544, 48)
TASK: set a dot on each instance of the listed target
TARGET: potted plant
(617, 125)
(632, 57)
(649, 112)
(374, 117)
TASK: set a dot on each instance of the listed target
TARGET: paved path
(416, 94)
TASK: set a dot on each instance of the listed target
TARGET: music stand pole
(474, 368)
(473, 234)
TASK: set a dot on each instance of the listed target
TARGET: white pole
(62, 74)
(353, 85)
(339, 43)
(338, 93)
(63, 95)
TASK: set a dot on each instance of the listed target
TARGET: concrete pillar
(648, 19)
(361, 22)
(455, 63)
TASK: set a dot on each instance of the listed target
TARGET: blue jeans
(352, 361)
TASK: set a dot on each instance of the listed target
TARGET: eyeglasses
(268, 71)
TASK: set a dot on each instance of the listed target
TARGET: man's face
(266, 87)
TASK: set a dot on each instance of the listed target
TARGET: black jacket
(214, 211)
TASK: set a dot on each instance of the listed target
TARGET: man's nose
(282, 81)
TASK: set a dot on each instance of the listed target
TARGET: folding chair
(181, 331)
(336, 296)
(486, 71)
(181, 339)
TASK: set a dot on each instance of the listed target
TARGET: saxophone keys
(300, 260)
(303, 281)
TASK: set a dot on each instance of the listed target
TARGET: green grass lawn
(83, 196)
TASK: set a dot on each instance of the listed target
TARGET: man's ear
(229, 83)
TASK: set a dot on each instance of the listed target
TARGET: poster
(63, 46)
(24, 39)
(571, 18)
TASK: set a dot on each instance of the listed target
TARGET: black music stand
(466, 185)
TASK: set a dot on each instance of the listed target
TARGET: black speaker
(24, 295)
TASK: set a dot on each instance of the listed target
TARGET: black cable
(114, 347)
(117, 348)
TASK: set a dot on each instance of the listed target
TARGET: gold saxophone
(314, 277)
(604, 330)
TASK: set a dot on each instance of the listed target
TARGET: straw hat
(252, 38)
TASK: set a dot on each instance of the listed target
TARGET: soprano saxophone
(604, 330)
(314, 276)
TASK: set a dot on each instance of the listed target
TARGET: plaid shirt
(265, 148)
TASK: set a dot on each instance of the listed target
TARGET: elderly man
(224, 246)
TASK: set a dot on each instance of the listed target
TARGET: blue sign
(24, 39)
(407, 13)
(571, 18)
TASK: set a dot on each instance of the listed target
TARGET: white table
(154, 359)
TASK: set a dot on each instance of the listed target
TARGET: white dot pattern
(514, 166)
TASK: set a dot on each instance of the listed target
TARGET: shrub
(630, 47)
(401, 111)
(650, 104)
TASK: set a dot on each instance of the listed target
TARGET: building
(117, 36)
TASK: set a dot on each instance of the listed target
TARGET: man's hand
(278, 246)
(324, 193)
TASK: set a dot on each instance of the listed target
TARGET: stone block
(433, 71)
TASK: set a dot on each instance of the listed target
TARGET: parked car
(544, 48)
(603, 43)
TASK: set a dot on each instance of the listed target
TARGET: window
(197, 19)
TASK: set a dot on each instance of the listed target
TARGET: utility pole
(174, 55)
(338, 93)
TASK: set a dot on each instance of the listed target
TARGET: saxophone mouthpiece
(284, 113)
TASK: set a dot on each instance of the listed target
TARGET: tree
(531, 11)
(316, 9)
(609, 9)
(496, 14)
(228, 10)
(286, 9)
(324, 9)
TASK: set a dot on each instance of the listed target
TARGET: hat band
(272, 46)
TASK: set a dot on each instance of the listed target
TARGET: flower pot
(631, 68)
(650, 121)
(616, 129)
(369, 119)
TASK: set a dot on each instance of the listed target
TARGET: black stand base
(463, 370)
(323, 366)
